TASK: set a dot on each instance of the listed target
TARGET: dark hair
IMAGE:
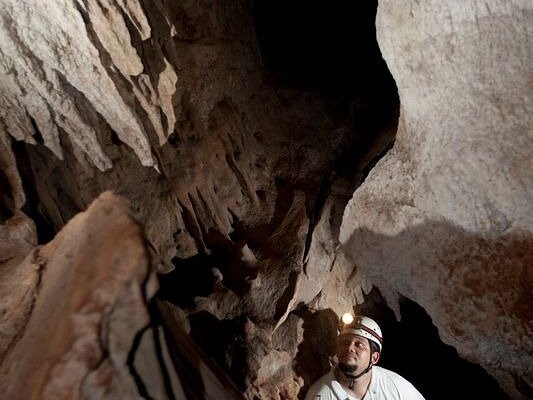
(374, 348)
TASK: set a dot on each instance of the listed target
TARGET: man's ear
(375, 357)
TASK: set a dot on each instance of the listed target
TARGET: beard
(348, 369)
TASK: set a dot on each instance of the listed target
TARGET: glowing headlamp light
(347, 319)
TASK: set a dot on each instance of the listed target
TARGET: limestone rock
(241, 213)
(231, 212)
(78, 304)
(18, 237)
(446, 218)
(46, 48)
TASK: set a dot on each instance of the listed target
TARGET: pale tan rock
(330, 280)
(83, 302)
(134, 10)
(18, 287)
(50, 53)
(446, 217)
(111, 29)
(166, 87)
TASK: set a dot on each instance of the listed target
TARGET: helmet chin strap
(349, 372)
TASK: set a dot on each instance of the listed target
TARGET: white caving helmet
(365, 327)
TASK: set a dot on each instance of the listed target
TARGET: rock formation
(74, 308)
(445, 218)
(231, 177)
(238, 169)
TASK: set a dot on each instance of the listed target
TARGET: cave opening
(25, 155)
(412, 347)
(331, 48)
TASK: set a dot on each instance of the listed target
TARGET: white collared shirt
(385, 384)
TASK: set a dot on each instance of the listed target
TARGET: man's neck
(360, 386)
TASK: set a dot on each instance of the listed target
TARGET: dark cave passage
(412, 348)
(331, 48)
(328, 46)
(25, 154)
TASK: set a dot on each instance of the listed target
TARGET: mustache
(349, 353)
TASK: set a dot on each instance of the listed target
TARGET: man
(355, 376)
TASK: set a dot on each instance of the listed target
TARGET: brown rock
(86, 304)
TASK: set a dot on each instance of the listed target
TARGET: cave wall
(240, 182)
(180, 89)
(445, 218)
(234, 179)
(72, 308)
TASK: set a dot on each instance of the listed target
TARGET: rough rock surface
(446, 218)
(241, 209)
(240, 184)
(82, 300)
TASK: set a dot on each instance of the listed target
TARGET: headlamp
(347, 318)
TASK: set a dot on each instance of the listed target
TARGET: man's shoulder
(384, 373)
(389, 380)
(323, 380)
(320, 387)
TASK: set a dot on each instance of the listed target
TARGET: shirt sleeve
(407, 390)
(320, 391)
(392, 386)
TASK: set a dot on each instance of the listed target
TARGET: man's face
(354, 350)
